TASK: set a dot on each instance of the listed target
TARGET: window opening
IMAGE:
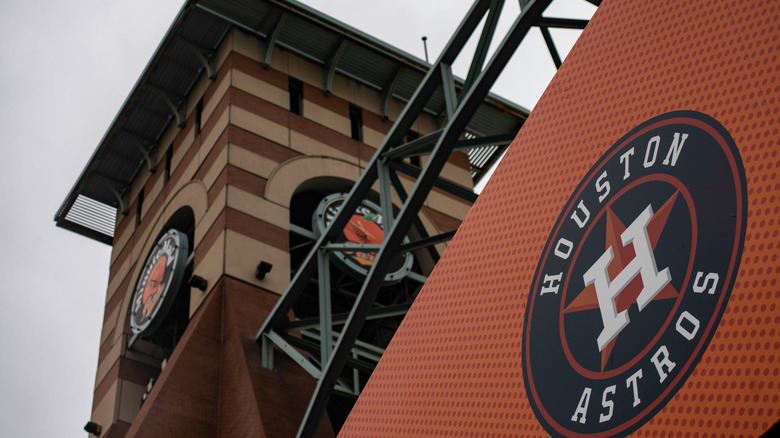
(415, 160)
(296, 96)
(356, 122)
(198, 116)
(139, 207)
(168, 159)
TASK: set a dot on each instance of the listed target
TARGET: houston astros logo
(635, 276)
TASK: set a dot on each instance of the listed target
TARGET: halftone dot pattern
(454, 367)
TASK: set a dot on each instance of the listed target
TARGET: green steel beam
(445, 185)
(337, 350)
(326, 310)
(340, 318)
(484, 42)
(418, 146)
(465, 110)
(424, 243)
(551, 46)
(399, 188)
(448, 87)
(562, 23)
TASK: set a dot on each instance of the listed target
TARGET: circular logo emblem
(160, 280)
(635, 277)
(364, 228)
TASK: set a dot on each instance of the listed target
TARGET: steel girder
(339, 349)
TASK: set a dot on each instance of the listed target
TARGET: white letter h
(643, 264)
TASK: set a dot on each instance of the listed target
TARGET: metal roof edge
(73, 193)
(359, 35)
(315, 17)
(401, 55)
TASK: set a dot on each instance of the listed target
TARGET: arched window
(159, 312)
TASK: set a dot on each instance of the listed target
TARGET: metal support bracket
(178, 114)
(151, 161)
(119, 200)
(271, 43)
(329, 68)
(207, 65)
(387, 93)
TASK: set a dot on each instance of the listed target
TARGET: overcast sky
(65, 70)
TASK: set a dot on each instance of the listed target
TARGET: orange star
(587, 300)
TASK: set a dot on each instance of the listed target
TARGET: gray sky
(65, 70)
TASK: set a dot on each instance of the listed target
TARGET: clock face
(160, 280)
(364, 228)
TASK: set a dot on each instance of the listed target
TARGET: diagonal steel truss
(331, 350)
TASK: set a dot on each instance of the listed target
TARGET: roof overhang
(186, 53)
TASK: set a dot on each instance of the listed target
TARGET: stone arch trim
(292, 175)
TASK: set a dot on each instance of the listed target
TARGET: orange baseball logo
(161, 274)
(364, 228)
(154, 287)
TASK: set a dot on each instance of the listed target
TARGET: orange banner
(619, 273)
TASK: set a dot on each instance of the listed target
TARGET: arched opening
(159, 311)
(344, 287)
(175, 321)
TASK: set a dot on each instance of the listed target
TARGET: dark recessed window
(198, 115)
(168, 158)
(296, 96)
(356, 122)
(410, 136)
(139, 207)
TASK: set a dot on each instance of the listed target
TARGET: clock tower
(230, 157)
